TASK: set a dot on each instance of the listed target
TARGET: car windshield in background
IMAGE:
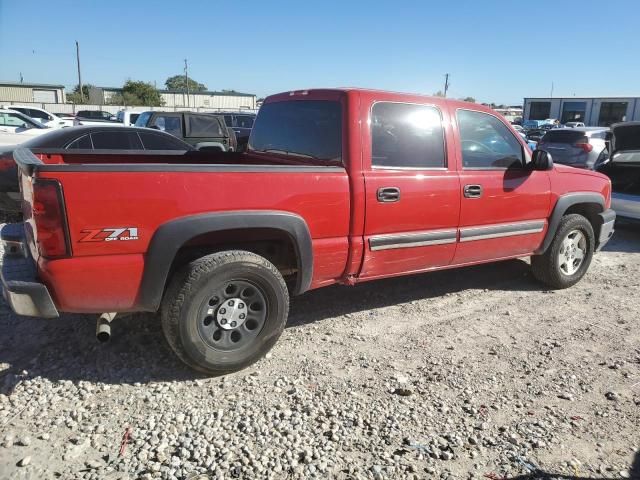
(143, 119)
(304, 128)
(564, 136)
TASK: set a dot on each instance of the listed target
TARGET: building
(512, 114)
(225, 100)
(593, 111)
(11, 92)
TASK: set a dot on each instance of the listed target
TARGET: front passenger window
(487, 143)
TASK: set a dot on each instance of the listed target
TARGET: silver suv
(582, 147)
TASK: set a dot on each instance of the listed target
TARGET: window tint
(37, 114)
(304, 128)
(244, 121)
(133, 118)
(228, 120)
(154, 141)
(487, 142)
(169, 124)
(83, 142)
(405, 135)
(564, 136)
(203, 126)
(116, 140)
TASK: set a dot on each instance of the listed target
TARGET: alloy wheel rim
(572, 252)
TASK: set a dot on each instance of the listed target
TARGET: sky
(495, 51)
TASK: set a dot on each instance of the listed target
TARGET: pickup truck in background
(623, 168)
(336, 186)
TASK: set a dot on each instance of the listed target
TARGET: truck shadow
(66, 348)
(511, 275)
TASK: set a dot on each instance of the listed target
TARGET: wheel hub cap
(231, 314)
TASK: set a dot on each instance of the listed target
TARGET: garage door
(44, 96)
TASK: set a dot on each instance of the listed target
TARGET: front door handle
(473, 191)
(388, 194)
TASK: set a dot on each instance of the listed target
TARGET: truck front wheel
(568, 257)
(224, 311)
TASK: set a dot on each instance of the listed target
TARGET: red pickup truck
(337, 186)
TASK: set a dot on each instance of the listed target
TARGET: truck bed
(144, 192)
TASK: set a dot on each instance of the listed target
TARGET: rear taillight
(587, 147)
(49, 218)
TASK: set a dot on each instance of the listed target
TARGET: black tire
(197, 294)
(547, 267)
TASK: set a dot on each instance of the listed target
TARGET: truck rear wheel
(224, 311)
(568, 257)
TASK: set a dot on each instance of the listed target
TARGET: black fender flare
(561, 206)
(171, 236)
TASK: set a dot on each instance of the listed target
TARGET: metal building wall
(24, 94)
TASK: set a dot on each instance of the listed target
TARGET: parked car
(202, 130)
(16, 127)
(336, 186)
(95, 117)
(127, 117)
(574, 124)
(241, 123)
(518, 128)
(46, 118)
(623, 168)
(533, 124)
(91, 138)
(582, 147)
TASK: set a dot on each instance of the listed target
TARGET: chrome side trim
(470, 234)
(412, 239)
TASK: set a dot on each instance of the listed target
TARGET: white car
(42, 116)
(15, 127)
(128, 117)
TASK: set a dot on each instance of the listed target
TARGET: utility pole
(551, 90)
(186, 79)
(446, 83)
(79, 77)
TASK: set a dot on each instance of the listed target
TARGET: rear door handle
(388, 194)
(473, 191)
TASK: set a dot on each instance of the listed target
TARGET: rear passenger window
(82, 143)
(116, 140)
(152, 141)
(406, 135)
(203, 126)
(487, 142)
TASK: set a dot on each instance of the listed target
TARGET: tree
(138, 93)
(438, 94)
(469, 99)
(177, 83)
(75, 96)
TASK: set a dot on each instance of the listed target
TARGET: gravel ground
(472, 373)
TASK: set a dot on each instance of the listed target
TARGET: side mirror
(541, 160)
(26, 126)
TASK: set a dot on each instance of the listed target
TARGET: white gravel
(472, 373)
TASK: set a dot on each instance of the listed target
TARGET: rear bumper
(606, 230)
(18, 274)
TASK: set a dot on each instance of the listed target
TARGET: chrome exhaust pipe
(103, 326)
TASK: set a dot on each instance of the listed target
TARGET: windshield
(303, 128)
(143, 119)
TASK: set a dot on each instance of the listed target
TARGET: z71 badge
(110, 234)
